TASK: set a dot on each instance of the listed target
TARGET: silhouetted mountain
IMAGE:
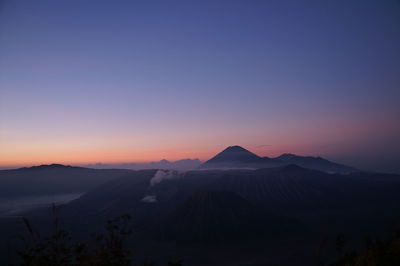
(48, 166)
(53, 179)
(238, 157)
(316, 163)
(234, 154)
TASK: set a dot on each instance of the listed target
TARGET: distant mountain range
(57, 178)
(184, 164)
(237, 157)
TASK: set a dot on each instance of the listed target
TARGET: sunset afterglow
(153, 82)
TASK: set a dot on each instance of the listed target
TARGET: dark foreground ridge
(221, 216)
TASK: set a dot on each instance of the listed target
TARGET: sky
(135, 81)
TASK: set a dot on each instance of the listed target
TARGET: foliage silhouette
(59, 248)
(378, 253)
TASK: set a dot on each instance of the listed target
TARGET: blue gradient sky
(121, 81)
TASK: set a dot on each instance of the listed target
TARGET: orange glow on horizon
(19, 148)
(118, 156)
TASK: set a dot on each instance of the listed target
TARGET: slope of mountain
(122, 195)
(238, 157)
(281, 188)
(186, 201)
(218, 216)
(53, 179)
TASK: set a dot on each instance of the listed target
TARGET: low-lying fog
(17, 206)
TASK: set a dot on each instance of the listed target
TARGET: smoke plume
(161, 175)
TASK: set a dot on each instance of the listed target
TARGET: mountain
(200, 206)
(218, 216)
(280, 190)
(121, 195)
(234, 154)
(53, 179)
(238, 157)
(316, 163)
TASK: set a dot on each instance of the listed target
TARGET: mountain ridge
(239, 157)
(182, 164)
